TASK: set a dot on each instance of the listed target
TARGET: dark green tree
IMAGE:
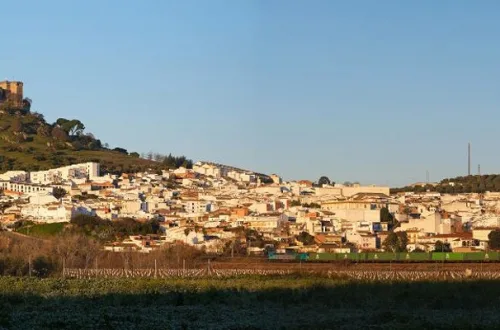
(59, 192)
(71, 127)
(386, 216)
(494, 239)
(391, 242)
(395, 242)
(323, 180)
(305, 238)
(121, 150)
(439, 246)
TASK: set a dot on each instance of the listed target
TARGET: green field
(42, 230)
(246, 302)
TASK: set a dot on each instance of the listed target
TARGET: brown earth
(262, 263)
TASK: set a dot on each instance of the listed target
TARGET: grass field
(246, 302)
(42, 230)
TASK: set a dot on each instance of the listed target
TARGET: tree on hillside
(71, 127)
(395, 242)
(176, 162)
(134, 154)
(59, 192)
(305, 238)
(323, 180)
(494, 239)
(386, 216)
(158, 157)
(439, 246)
(121, 150)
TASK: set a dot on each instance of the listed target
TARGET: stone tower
(11, 91)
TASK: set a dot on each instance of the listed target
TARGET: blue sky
(369, 91)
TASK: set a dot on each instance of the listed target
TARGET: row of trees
(106, 230)
(25, 256)
(324, 180)
(397, 242)
(461, 184)
(168, 161)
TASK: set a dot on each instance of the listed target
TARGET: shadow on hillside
(351, 306)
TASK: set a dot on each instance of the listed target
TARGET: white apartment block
(264, 222)
(76, 171)
(198, 206)
(25, 188)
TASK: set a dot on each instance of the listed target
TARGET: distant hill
(28, 142)
(461, 184)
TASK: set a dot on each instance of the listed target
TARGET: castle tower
(11, 91)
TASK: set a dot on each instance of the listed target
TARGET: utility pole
(468, 160)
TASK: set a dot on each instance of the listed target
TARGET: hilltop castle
(11, 91)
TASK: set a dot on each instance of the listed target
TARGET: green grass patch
(43, 230)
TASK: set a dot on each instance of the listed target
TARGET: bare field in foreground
(247, 302)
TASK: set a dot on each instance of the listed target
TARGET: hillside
(461, 184)
(28, 142)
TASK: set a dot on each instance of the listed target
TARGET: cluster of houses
(211, 205)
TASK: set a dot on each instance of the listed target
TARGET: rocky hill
(28, 142)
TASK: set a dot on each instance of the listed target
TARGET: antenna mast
(468, 160)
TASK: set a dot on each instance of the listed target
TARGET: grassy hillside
(28, 142)
(461, 184)
(42, 230)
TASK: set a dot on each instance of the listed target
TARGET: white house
(76, 171)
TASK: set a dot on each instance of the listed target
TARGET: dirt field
(262, 263)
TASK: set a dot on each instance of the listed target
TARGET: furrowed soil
(264, 264)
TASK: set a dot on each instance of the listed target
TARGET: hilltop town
(212, 207)
(57, 174)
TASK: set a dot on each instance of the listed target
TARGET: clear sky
(369, 91)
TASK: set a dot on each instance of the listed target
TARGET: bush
(43, 266)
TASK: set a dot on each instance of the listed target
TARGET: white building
(265, 222)
(430, 224)
(52, 213)
(198, 206)
(25, 188)
(15, 176)
(77, 171)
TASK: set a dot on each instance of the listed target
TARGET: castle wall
(14, 91)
